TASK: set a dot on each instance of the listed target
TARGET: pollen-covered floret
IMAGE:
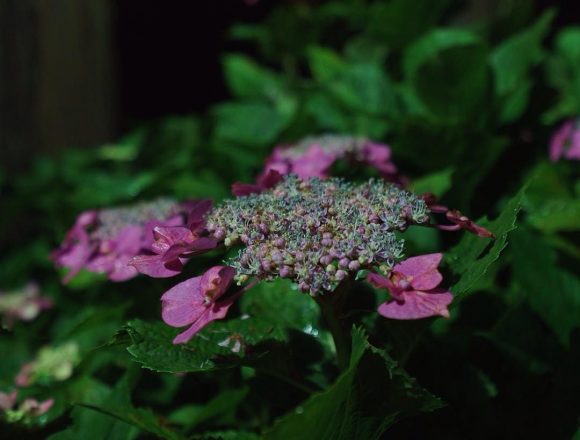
(316, 232)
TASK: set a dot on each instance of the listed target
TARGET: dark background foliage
(105, 103)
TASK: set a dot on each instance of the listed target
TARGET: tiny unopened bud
(325, 260)
(343, 263)
(331, 268)
(354, 265)
(219, 234)
(340, 275)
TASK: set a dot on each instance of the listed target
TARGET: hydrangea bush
(344, 289)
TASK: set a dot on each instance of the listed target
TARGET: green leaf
(143, 419)
(448, 72)
(222, 344)
(226, 402)
(511, 62)
(563, 71)
(371, 395)
(557, 215)
(90, 425)
(366, 88)
(327, 114)
(280, 304)
(254, 124)
(227, 435)
(437, 183)
(472, 257)
(398, 22)
(325, 64)
(552, 292)
(246, 79)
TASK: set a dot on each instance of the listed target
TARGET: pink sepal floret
(413, 284)
(195, 302)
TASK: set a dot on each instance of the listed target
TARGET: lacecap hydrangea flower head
(318, 234)
(105, 241)
(314, 156)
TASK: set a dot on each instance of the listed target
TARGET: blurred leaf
(256, 124)
(325, 64)
(448, 71)
(563, 69)
(511, 62)
(557, 215)
(364, 401)
(365, 87)
(191, 416)
(473, 255)
(398, 22)
(90, 425)
(552, 292)
(437, 183)
(143, 419)
(246, 79)
(226, 435)
(327, 114)
(125, 149)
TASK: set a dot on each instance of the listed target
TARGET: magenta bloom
(565, 142)
(196, 302)
(24, 304)
(314, 156)
(413, 286)
(106, 241)
(173, 245)
(267, 181)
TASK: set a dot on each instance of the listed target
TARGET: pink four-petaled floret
(413, 286)
(196, 301)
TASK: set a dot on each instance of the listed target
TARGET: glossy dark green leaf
(371, 395)
(222, 344)
(552, 292)
(473, 256)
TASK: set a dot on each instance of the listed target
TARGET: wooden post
(56, 77)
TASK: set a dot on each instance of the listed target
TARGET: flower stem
(331, 306)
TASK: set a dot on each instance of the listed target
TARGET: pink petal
(279, 166)
(574, 150)
(8, 400)
(154, 266)
(240, 189)
(422, 270)
(122, 270)
(314, 163)
(196, 216)
(128, 241)
(196, 247)
(183, 304)
(271, 179)
(417, 305)
(165, 237)
(217, 311)
(216, 281)
(559, 140)
(378, 281)
(148, 238)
